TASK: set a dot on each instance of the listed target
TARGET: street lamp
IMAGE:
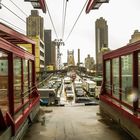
(38, 4)
(94, 4)
(58, 43)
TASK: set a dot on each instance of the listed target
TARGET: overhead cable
(13, 12)
(19, 8)
(63, 12)
(76, 21)
(52, 21)
(13, 25)
(64, 17)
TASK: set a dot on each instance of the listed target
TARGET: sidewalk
(74, 123)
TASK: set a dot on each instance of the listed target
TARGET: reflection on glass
(127, 77)
(139, 77)
(17, 82)
(30, 74)
(115, 76)
(30, 77)
(25, 77)
(3, 82)
(107, 78)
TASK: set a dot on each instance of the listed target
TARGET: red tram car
(19, 99)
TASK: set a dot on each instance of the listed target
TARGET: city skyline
(121, 17)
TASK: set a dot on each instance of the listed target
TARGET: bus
(89, 87)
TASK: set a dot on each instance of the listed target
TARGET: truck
(47, 96)
(78, 87)
(98, 81)
(89, 87)
(78, 84)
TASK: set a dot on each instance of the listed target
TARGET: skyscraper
(50, 49)
(78, 63)
(101, 37)
(89, 62)
(35, 25)
(47, 41)
(70, 58)
(35, 30)
(135, 37)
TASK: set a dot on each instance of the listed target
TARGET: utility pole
(58, 43)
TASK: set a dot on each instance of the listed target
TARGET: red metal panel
(3, 124)
(120, 79)
(20, 120)
(12, 34)
(135, 78)
(15, 49)
(33, 66)
(10, 84)
(43, 5)
(123, 51)
(120, 109)
(22, 81)
(90, 5)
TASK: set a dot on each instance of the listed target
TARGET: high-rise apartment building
(53, 55)
(35, 30)
(78, 63)
(50, 49)
(47, 41)
(101, 36)
(70, 58)
(135, 37)
(35, 25)
(89, 63)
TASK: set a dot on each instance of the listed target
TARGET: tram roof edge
(125, 50)
(13, 36)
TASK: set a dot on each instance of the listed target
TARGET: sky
(122, 18)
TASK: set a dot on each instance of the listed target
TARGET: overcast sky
(122, 17)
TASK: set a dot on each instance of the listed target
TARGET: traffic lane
(75, 123)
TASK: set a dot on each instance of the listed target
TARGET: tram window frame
(115, 78)
(139, 79)
(4, 103)
(17, 80)
(126, 90)
(108, 79)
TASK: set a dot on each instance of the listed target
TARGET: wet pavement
(74, 122)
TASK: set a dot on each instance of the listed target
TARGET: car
(79, 92)
(69, 94)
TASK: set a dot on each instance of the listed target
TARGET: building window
(4, 82)
(115, 77)
(17, 83)
(127, 78)
(107, 78)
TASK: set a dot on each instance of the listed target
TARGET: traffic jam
(71, 88)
